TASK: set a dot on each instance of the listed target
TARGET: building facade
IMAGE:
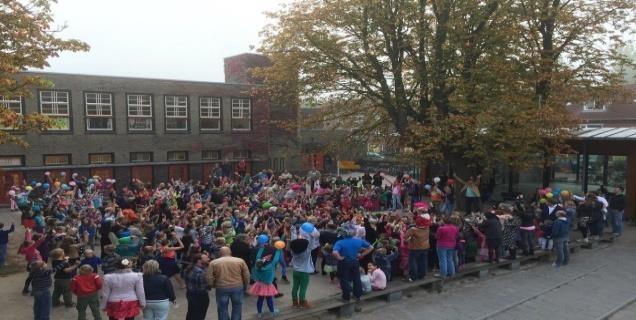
(148, 129)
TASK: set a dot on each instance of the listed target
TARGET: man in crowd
(230, 276)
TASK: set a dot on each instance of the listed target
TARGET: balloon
(38, 184)
(125, 240)
(543, 201)
(262, 239)
(437, 179)
(65, 186)
(548, 190)
(46, 186)
(47, 173)
(28, 188)
(542, 192)
(12, 193)
(63, 174)
(549, 195)
(279, 245)
(307, 227)
(74, 175)
(565, 193)
(33, 182)
(72, 183)
(266, 205)
(57, 184)
(428, 187)
(198, 205)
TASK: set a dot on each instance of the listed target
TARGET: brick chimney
(237, 68)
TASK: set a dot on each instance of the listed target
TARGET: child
(384, 260)
(91, 260)
(85, 286)
(378, 278)
(109, 259)
(62, 283)
(331, 264)
(365, 279)
(29, 249)
(41, 282)
(545, 242)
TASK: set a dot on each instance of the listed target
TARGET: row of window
(99, 111)
(107, 158)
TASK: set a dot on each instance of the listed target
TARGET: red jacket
(86, 284)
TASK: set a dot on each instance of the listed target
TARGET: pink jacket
(447, 236)
(378, 279)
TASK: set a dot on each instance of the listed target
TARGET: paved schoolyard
(595, 284)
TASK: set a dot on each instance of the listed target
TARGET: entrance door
(142, 173)
(178, 172)
(7, 180)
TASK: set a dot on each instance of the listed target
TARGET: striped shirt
(196, 280)
(41, 279)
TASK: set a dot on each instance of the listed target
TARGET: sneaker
(278, 295)
(259, 316)
(275, 313)
(409, 280)
(356, 306)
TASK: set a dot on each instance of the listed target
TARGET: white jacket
(124, 285)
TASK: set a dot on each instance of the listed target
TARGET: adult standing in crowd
(197, 288)
(230, 277)
(446, 242)
(417, 237)
(158, 290)
(4, 241)
(561, 238)
(347, 251)
(616, 211)
(123, 292)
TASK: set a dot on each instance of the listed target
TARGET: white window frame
(242, 111)
(210, 108)
(103, 109)
(68, 160)
(185, 155)
(11, 105)
(55, 107)
(592, 106)
(592, 126)
(138, 153)
(100, 156)
(11, 161)
(178, 110)
(143, 111)
(217, 152)
(241, 154)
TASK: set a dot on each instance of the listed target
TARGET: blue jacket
(560, 229)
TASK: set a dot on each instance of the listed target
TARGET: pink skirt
(260, 289)
(122, 309)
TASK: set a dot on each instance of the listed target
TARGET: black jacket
(242, 250)
(158, 287)
(492, 228)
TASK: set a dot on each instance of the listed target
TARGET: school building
(150, 129)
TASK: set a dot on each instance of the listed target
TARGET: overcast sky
(172, 39)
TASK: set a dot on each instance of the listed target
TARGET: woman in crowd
(446, 241)
(123, 292)
(158, 292)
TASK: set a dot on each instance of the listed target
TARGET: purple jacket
(447, 236)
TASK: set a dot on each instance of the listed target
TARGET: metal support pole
(586, 163)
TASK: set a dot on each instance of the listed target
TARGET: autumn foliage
(28, 39)
(483, 82)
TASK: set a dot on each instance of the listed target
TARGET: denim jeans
(448, 207)
(417, 263)
(157, 310)
(562, 250)
(3, 254)
(527, 241)
(396, 202)
(617, 221)
(446, 263)
(42, 304)
(223, 297)
(349, 271)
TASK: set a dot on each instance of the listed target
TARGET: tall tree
(28, 39)
(454, 79)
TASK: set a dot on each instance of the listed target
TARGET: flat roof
(608, 133)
